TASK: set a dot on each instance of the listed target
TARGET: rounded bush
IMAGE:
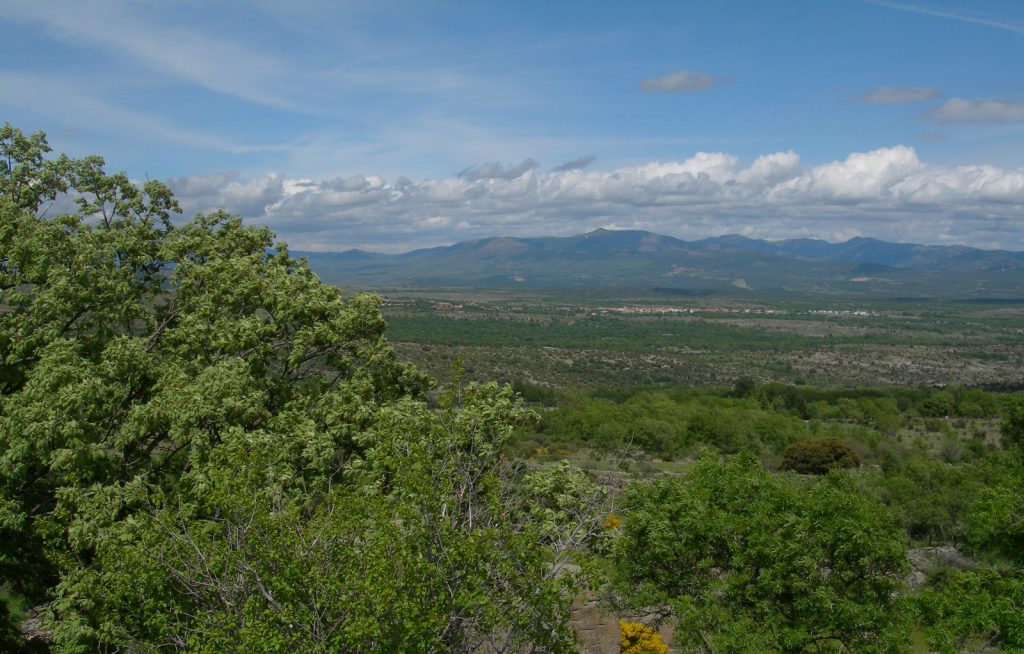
(818, 456)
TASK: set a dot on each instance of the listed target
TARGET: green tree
(818, 455)
(983, 607)
(747, 561)
(973, 611)
(424, 545)
(995, 522)
(744, 386)
(1013, 422)
(204, 448)
(930, 498)
(27, 178)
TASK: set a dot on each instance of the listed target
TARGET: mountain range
(644, 260)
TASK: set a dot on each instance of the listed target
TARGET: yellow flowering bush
(637, 638)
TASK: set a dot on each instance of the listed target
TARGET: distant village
(667, 310)
(662, 310)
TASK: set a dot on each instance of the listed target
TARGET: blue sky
(393, 125)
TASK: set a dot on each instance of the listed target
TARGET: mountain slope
(872, 250)
(639, 259)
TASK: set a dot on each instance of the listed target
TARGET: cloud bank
(887, 193)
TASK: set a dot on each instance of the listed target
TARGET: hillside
(732, 263)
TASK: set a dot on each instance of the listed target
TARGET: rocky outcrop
(924, 561)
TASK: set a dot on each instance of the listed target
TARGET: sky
(390, 126)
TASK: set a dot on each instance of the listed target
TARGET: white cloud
(990, 110)
(770, 168)
(863, 176)
(253, 197)
(899, 94)
(888, 193)
(682, 81)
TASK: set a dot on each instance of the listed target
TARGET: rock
(925, 560)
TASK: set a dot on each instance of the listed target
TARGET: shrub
(818, 456)
(638, 638)
(748, 561)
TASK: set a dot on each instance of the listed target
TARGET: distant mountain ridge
(641, 259)
(872, 250)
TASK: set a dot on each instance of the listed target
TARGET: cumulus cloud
(576, 164)
(989, 110)
(888, 193)
(682, 81)
(225, 190)
(862, 177)
(900, 94)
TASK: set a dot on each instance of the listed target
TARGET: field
(604, 338)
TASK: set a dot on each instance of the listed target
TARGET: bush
(638, 638)
(818, 456)
(748, 561)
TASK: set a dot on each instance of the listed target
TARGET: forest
(204, 448)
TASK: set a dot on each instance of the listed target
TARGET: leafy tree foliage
(819, 455)
(748, 561)
(996, 520)
(670, 422)
(204, 448)
(930, 499)
(744, 387)
(1013, 422)
(668, 426)
(983, 607)
(425, 546)
(973, 611)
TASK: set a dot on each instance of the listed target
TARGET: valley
(563, 338)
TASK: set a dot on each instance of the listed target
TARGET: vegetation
(983, 606)
(643, 337)
(748, 561)
(203, 448)
(1013, 423)
(970, 611)
(206, 449)
(638, 638)
(818, 456)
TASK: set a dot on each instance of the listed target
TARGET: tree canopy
(204, 448)
(818, 455)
